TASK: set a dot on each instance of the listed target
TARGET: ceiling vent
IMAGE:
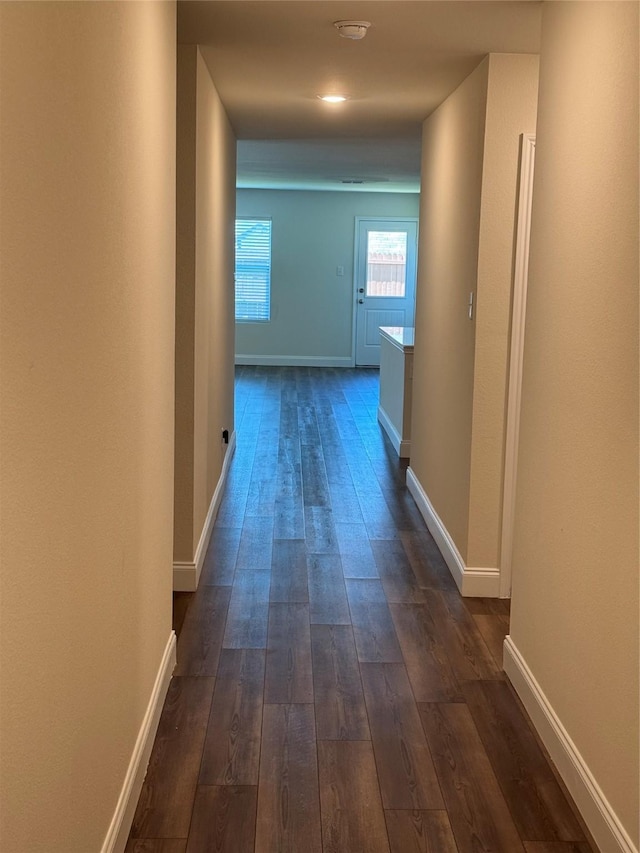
(365, 179)
(355, 30)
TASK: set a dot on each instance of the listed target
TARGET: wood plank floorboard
(354, 546)
(426, 561)
(341, 713)
(289, 469)
(425, 657)
(201, 636)
(336, 466)
(220, 560)
(373, 628)
(352, 815)
(156, 845)
(289, 676)
(534, 797)
(328, 603)
(334, 693)
(288, 797)
(488, 606)
(261, 500)
(255, 547)
(223, 820)
(493, 629)
(320, 531)
(398, 579)
(261, 496)
(315, 486)
(478, 812)
(308, 425)
(420, 832)
(362, 474)
(231, 753)
(289, 581)
(288, 521)
(378, 519)
(248, 614)
(405, 769)
(232, 508)
(468, 653)
(346, 502)
(392, 474)
(166, 801)
(401, 505)
(344, 422)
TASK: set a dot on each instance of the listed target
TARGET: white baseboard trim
(186, 574)
(472, 582)
(295, 360)
(600, 818)
(401, 445)
(118, 832)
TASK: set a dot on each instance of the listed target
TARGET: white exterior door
(385, 279)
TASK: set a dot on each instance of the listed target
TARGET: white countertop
(400, 336)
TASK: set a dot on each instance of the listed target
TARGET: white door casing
(514, 392)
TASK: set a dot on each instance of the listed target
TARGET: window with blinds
(253, 270)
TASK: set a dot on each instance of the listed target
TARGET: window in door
(253, 270)
(386, 263)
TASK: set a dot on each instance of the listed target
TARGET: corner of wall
(591, 801)
(472, 582)
(118, 832)
(184, 299)
(204, 310)
(511, 109)
(186, 573)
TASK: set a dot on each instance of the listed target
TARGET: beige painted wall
(452, 154)
(467, 229)
(204, 296)
(575, 570)
(87, 227)
(183, 547)
(512, 101)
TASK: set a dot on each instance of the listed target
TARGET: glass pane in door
(386, 263)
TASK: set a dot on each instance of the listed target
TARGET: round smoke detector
(355, 30)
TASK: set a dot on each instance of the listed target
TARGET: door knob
(361, 301)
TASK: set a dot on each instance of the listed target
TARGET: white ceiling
(270, 58)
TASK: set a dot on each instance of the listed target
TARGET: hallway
(333, 691)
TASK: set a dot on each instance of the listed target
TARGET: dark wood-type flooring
(334, 693)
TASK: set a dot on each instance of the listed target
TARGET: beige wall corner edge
(599, 816)
(118, 833)
(402, 446)
(472, 582)
(186, 574)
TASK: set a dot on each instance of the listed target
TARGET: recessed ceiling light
(333, 99)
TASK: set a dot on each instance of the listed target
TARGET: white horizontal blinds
(253, 269)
